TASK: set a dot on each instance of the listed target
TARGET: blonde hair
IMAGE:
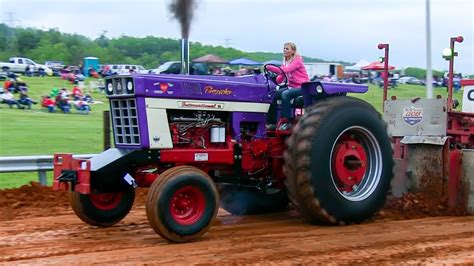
(293, 47)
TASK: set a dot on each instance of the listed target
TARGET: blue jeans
(286, 98)
(12, 102)
(27, 102)
(285, 95)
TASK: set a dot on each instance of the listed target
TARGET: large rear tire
(182, 203)
(241, 201)
(104, 209)
(339, 162)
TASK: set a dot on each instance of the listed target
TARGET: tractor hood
(252, 88)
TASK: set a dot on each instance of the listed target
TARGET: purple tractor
(200, 142)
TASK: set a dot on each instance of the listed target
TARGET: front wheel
(103, 209)
(182, 203)
(339, 162)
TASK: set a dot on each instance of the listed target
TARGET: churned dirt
(37, 226)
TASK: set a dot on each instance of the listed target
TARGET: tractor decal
(186, 104)
(412, 115)
(211, 90)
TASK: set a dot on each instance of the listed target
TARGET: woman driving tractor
(296, 74)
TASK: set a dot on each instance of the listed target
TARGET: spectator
(28, 71)
(47, 102)
(64, 94)
(217, 71)
(12, 76)
(88, 98)
(25, 100)
(7, 98)
(62, 101)
(8, 84)
(54, 92)
(76, 93)
(41, 72)
(82, 106)
(92, 72)
(242, 71)
(80, 70)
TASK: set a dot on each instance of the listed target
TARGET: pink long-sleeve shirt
(295, 72)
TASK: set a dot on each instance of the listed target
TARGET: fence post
(42, 177)
(106, 128)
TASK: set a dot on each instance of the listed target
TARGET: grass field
(37, 132)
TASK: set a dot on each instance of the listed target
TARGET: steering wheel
(275, 74)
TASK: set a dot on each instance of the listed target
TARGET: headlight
(319, 89)
(129, 86)
(110, 87)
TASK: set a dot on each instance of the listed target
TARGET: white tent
(357, 66)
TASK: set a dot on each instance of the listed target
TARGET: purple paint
(335, 87)
(309, 89)
(142, 122)
(254, 88)
(238, 117)
(223, 88)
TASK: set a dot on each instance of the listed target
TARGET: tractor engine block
(198, 130)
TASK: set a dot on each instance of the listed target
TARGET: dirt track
(33, 232)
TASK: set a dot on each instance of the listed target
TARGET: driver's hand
(280, 78)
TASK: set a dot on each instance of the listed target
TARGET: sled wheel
(241, 201)
(182, 203)
(104, 209)
(339, 162)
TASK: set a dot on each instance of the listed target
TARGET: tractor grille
(125, 121)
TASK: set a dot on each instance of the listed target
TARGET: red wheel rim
(349, 163)
(187, 205)
(106, 201)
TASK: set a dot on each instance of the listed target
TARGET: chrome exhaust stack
(185, 56)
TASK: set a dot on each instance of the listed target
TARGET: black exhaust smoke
(183, 11)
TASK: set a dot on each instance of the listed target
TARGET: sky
(347, 30)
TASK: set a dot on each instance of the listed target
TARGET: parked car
(126, 69)
(72, 74)
(435, 83)
(56, 66)
(22, 64)
(409, 80)
(174, 67)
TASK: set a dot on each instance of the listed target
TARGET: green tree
(49, 51)
(26, 40)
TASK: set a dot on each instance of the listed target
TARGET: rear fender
(315, 90)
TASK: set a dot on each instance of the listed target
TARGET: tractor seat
(297, 102)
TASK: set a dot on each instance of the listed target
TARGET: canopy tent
(244, 62)
(376, 66)
(210, 58)
(357, 66)
(273, 62)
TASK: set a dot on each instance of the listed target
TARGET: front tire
(104, 209)
(182, 203)
(339, 162)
